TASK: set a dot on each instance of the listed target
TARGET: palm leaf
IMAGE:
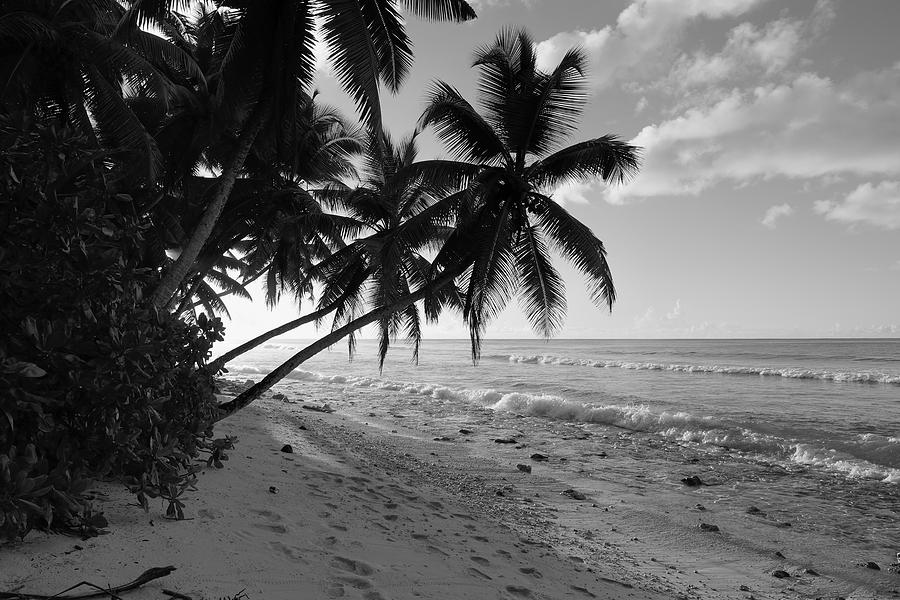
(464, 132)
(578, 244)
(541, 291)
(606, 157)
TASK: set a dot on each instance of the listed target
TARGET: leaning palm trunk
(217, 364)
(248, 396)
(188, 257)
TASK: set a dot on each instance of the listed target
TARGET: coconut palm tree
(63, 62)
(505, 219)
(381, 266)
(270, 49)
(273, 220)
(516, 146)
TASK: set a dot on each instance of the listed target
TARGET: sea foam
(791, 373)
(869, 457)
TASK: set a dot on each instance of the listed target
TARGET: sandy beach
(375, 510)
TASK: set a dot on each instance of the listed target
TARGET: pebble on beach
(780, 574)
(524, 468)
(692, 481)
(287, 449)
(573, 494)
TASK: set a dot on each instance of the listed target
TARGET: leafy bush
(92, 382)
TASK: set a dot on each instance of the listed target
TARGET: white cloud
(575, 193)
(773, 213)
(877, 205)
(808, 128)
(641, 105)
(644, 30)
(750, 51)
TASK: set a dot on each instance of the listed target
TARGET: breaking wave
(869, 456)
(788, 372)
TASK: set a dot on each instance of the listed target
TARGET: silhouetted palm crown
(388, 264)
(510, 158)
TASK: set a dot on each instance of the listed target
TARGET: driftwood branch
(146, 576)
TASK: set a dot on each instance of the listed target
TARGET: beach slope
(323, 521)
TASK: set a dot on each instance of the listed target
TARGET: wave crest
(788, 372)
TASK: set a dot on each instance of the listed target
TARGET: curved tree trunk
(248, 396)
(217, 364)
(188, 257)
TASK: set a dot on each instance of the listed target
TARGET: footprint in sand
(390, 517)
(273, 527)
(480, 560)
(531, 571)
(584, 591)
(289, 551)
(436, 550)
(504, 553)
(356, 567)
(419, 536)
(516, 590)
(481, 574)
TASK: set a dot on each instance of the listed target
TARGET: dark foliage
(92, 382)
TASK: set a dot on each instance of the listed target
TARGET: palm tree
(64, 62)
(273, 219)
(270, 48)
(507, 160)
(516, 146)
(381, 266)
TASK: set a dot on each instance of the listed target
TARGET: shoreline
(369, 507)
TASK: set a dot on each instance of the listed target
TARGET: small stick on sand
(146, 576)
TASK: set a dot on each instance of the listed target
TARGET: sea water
(808, 430)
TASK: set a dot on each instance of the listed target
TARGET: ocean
(805, 433)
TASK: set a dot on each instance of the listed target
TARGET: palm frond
(459, 126)
(541, 289)
(354, 55)
(578, 244)
(440, 10)
(606, 157)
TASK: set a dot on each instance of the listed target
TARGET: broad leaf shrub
(92, 383)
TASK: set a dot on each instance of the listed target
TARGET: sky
(768, 202)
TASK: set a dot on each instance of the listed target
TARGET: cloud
(575, 192)
(644, 30)
(762, 53)
(773, 213)
(877, 205)
(808, 128)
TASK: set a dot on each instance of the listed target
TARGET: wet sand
(371, 505)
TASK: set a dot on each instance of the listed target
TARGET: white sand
(339, 526)
(378, 511)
